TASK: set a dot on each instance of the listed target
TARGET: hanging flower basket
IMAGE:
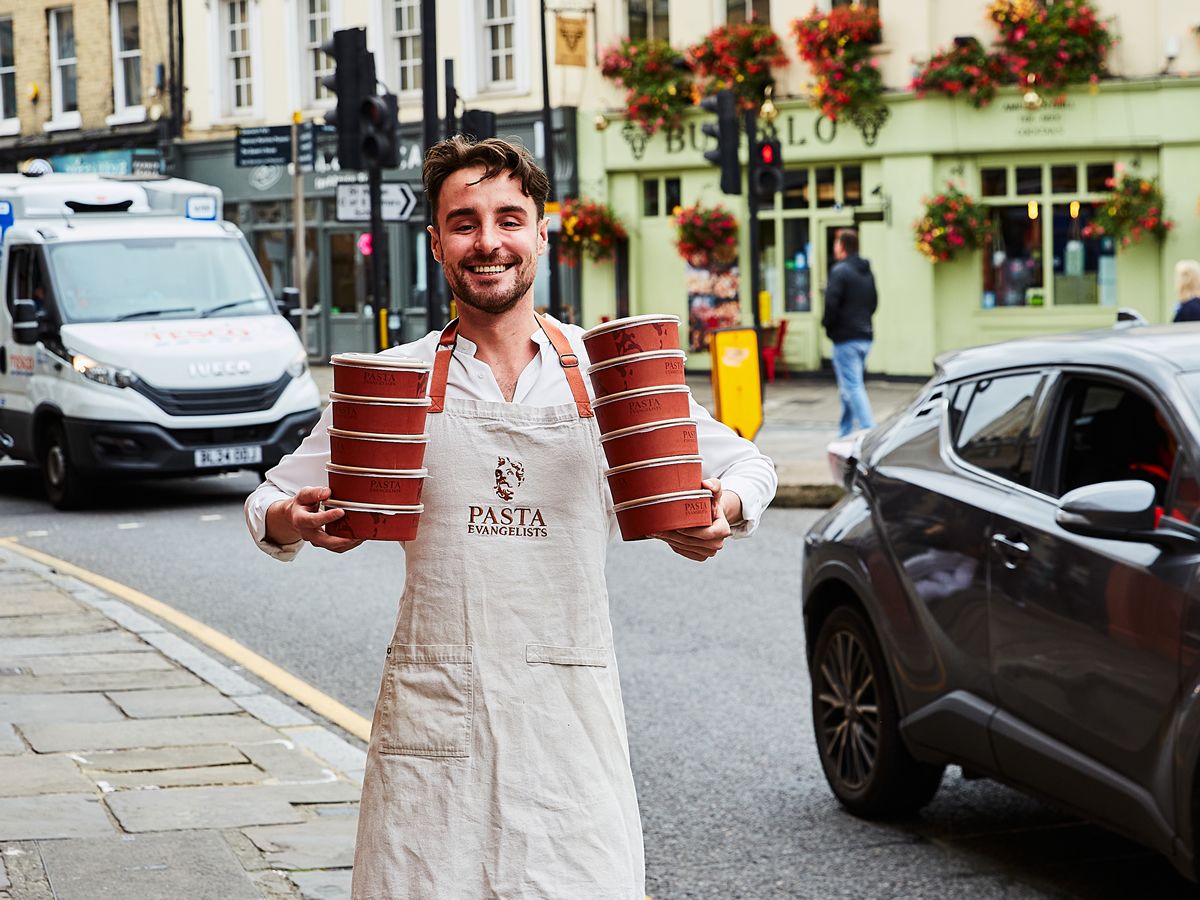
(738, 58)
(658, 86)
(953, 222)
(837, 47)
(706, 236)
(1133, 210)
(965, 70)
(1047, 47)
(589, 228)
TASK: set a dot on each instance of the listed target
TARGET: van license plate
(228, 456)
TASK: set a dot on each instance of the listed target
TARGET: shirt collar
(469, 347)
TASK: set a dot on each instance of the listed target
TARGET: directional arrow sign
(354, 202)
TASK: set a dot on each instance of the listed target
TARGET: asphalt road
(716, 693)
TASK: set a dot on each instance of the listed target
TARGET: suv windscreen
(148, 278)
(990, 423)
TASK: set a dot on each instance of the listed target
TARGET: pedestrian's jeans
(849, 359)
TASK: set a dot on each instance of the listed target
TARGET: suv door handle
(1011, 550)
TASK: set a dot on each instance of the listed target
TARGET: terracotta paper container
(635, 334)
(630, 408)
(367, 522)
(640, 518)
(659, 368)
(674, 437)
(377, 451)
(657, 476)
(377, 416)
(378, 375)
(380, 486)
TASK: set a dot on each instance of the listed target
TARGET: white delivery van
(138, 336)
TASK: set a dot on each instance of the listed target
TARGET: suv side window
(991, 425)
(1113, 433)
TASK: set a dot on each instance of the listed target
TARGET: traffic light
(479, 124)
(379, 131)
(768, 172)
(726, 131)
(353, 81)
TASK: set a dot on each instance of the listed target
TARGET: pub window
(673, 195)
(1098, 177)
(738, 11)
(649, 20)
(993, 182)
(650, 205)
(1064, 179)
(826, 187)
(318, 26)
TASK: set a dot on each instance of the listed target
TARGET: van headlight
(101, 373)
(298, 366)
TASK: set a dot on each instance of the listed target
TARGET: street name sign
(354, 202)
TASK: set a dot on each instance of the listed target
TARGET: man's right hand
(300, 518)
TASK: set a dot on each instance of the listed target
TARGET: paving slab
(326, 745)
(36, 602)
(9, 741)
(79, 622)
(326, 842)
(217, 674)
(57, 645)
(94, 663)
(166, 758)
(331, 791)
(30, 708)
(201, 807)
(5, 884)
(134, 734)
(271, 711)
(52, 817)
(284, 761)
(157, 704)
(29, 775)
(327, 884)
(96, 681)
(200, 776)
(197, 865)
(27, 878)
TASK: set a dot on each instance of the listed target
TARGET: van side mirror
(289, 306)
(25, 321)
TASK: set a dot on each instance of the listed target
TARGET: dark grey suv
(1012, 585)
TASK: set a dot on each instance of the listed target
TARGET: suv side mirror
(25, 321)
(1123, 511)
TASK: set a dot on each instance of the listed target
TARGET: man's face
(487, 237)
(839, 252)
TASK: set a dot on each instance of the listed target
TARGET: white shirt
(735, 460)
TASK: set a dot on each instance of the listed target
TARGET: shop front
(1039, 173)
(336, 269)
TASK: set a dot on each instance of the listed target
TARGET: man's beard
(495, 299)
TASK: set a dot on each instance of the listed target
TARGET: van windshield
(152, 278)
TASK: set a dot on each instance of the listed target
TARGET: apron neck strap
(566, 358)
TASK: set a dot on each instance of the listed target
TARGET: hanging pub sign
(570, 47)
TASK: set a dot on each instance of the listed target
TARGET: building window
(738, 11)
(64, 100)
(1036, 254)
(499, 33)
(873, 4)
(318, 26)
(239, 72)
(406, 38)
(8, 72)
(127, 56)
(649, 20)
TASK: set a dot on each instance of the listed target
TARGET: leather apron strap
(562, 347)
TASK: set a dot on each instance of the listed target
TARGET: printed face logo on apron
(510, 475)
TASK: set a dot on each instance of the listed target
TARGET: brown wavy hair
(495, 155)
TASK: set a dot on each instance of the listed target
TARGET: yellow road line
(299, 690)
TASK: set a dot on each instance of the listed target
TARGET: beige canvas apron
(498, 763)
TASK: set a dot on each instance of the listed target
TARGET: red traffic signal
(768, 154)
(768, 170)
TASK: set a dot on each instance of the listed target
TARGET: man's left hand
(703, 543)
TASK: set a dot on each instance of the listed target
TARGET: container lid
(390, 473)
(376, 507)
(378, 361)
(634, 357)
(640, 392)
(649, 463)
(381, 401)
(639, 429)
(659, 498)
(626, 322)
(370, 436)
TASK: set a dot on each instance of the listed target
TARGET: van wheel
(856, 723)
(63, 483)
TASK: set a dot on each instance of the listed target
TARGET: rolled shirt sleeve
(740, 466)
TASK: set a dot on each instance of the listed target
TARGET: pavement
(134, 764)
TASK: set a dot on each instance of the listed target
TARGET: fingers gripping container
(375, 522)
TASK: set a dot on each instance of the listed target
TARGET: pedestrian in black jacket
(1187, 289)
(850, 301)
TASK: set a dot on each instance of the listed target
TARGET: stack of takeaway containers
(377, 445)
(642, 407)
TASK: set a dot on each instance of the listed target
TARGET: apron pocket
(566, 656)
(427, 700)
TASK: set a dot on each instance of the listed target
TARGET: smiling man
(498, 764)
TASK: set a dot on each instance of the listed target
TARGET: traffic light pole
(430, 136)
(379, 256)
(751, 124)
